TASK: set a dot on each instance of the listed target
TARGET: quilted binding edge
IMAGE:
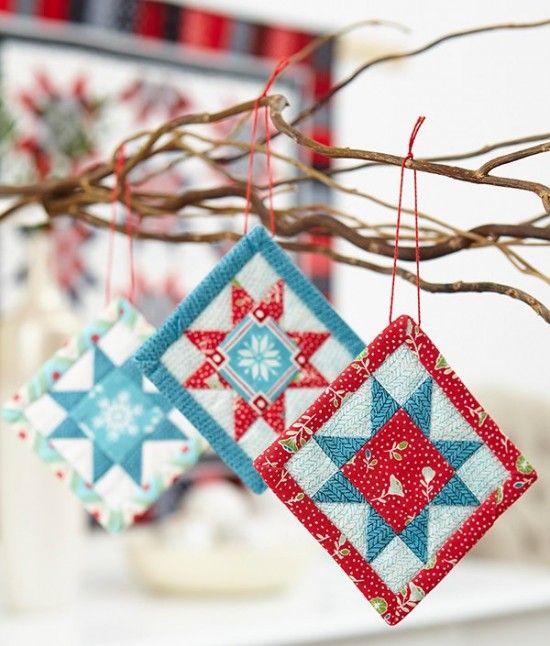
(392, 606)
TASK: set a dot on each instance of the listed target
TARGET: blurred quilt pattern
(77, 77)
(396, 469)
(247, 351)
(100, 425)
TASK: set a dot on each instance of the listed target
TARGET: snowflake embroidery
(118, 416)
(260, 358)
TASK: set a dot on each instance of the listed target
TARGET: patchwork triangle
(455, 492)
(444, 520)
(102, 365)
(419, 406)
(165, 430)
(78, 452)
(297, 316)
(219, 405)
(446, 421)
(340, 449)
(383, 406)
(484, 472)
(456, 452)
(338, 489)
(156, 399)
(353, 419)
(154, 452)
(415, 536)
(132, 464)
(351, 520)
(130, 369)
(68, 429)
(79, 377)
(102, 463)
(379, 534)
(68, 399)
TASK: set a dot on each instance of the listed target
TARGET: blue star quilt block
(248, 351)
(101, 425)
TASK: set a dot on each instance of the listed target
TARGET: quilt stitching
(419, 478)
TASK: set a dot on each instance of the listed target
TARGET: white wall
(424, 16)
(473, 92)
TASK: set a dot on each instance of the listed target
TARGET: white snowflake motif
(118, 416)
(260, 358)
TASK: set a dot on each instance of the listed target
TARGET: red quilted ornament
(396, 469)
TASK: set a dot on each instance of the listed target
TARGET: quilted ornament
(248, 351)
(396, 469)
(100, 425)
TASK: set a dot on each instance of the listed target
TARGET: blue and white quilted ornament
(101, 425)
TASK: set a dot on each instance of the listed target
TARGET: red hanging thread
(119, 165)
(279, 68)
(126, 198)
(410, 155)
(130, 236)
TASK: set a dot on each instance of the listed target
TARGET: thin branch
(170, 145)
(449, 288)
(388, 58)
(308, 112)
(486, 168)
(278, 103)
(478, 152)
(435, 288)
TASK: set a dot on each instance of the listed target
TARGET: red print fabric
(396, 469)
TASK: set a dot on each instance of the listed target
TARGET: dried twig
(174, 144)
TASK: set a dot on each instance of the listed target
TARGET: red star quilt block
(248, 351)
(396, 469)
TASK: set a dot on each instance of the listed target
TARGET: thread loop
(408, 156)
(279, 68)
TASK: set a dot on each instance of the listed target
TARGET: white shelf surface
(492, 603)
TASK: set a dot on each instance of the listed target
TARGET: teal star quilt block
(101, 425)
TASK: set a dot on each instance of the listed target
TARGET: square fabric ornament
(396, 469)
(100, 425)
(248, 351)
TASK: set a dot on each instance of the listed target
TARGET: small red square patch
(409, 471)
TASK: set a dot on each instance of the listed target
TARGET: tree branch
(173, 144)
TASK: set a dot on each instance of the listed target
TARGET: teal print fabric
(101, 425)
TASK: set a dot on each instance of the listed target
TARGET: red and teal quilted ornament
(396, 469)
(248, 351)
(102, 427)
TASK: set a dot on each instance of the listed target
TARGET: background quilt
(78, 76)
(248, 350)
(396, 469)
(100, 425)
